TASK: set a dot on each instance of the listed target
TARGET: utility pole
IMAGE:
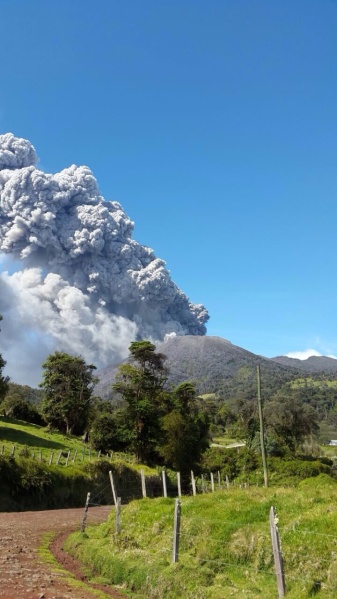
(263, 450)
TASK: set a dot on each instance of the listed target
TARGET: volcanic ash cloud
(84, 285)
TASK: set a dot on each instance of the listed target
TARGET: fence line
(180, 534)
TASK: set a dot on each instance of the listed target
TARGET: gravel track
(24, 575)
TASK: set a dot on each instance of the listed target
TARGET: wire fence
(187, 485)
(60, 457)
(282, 564)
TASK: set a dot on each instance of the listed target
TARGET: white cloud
(307, 353)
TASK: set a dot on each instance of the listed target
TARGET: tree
(109, 430)
(3, 379)
(186, 430)
(14, 406)
(68, 386)
(141, 383)
(290, 420)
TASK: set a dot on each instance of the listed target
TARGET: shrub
(17, 408)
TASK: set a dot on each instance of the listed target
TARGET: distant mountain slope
(310, 365)
(214, 364)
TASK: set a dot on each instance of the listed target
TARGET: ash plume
(82, 284)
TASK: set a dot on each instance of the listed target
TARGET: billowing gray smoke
(84, 285)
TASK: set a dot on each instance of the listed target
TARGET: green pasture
(310, 382)
(225, 548)
(30, 439)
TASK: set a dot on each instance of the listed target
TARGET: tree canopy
(163, 424)
(141, 383)
(186, 430)
(68, 387)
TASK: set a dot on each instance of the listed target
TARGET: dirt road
(24, 574)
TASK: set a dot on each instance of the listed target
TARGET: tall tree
(3, 379)
(290, 420)
(68, 387)
(141, 383)
(186, 430)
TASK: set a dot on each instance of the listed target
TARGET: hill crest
(214, 364)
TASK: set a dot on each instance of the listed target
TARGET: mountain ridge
(311, 365)
(216, 365)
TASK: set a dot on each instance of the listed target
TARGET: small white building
(333, 442)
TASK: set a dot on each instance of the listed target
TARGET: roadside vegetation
(225, 548)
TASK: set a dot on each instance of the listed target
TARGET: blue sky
(214, 124)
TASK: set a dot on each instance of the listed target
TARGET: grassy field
(225, 548)
(310, 382)
(225, 440)
(32, 438)
(30, 480)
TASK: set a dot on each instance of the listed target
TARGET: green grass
(329, 450)
(46, 555)
(310, 382)
(32, 438)
(29, 481)
(225, 548)
(225, 440)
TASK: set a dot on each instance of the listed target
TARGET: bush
(108, 432)
(231, 462)
(246, 465)
(17, 408)
(290, 471)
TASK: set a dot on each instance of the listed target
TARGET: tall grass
(225, 548)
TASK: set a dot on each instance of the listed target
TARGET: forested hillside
(225, 375)
(214, 365)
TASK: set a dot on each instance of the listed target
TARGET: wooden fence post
(212, 482)
(68, 456)
(13, 451)
(75, 454)
(194, 490)
(176, 531)
(142, 476)
(118, 515)
(275, 539)
(164, 483)
(219, 480)
(51, 458)
(179, 484)
(40, 456)
(113, 488)
(99, 454)
(85, 513)
(227, 482)
(58, 458)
